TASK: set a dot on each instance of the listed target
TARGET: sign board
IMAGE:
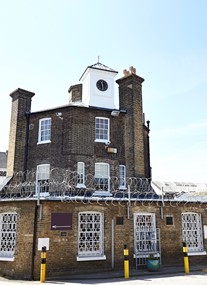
(43, 242)
(61, 221)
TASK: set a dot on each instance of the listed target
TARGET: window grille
(102, 177)
(8, 226)
(145, 236)
(42, 179)
(90, 234)
(44, 130)
(81, 174)
(192, 231)
(122, 177)
(102, 129)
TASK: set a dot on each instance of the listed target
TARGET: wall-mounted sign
(61, 221)
(43, 242)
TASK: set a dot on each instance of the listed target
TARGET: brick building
(79, 183)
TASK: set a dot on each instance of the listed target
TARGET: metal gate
(146, 238)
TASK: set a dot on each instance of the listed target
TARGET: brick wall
(61, 257)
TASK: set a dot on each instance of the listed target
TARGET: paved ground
(166, 276)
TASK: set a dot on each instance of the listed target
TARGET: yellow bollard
(43, 264)
(186, 261)
(126, 262)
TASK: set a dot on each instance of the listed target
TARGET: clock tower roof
(98, 66)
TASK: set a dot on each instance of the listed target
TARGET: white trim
(108, 130)
(92, 253)
(81, 172)
(196, 253)
(102, 171)
(42, 142)
(122, 177)
(6, 258)
(90, 258)
(40, 130)
(102, 193)
(47, 177)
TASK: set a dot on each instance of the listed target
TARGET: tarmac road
(198, 278)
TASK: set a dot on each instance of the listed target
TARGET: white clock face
(102, 85)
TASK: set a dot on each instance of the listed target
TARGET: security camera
(59, 115)
(107, 143)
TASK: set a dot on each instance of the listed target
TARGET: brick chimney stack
(21, 105)
(130, 99)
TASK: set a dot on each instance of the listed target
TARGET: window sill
(146, 255)
(122, 188)
(43, 142)
(90, 258)
(102, 193)
(102, 141)
(6, 258)
(196, 253)
(46, 194)
(81, 186)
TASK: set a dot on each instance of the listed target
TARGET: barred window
(42, 179)
(102, 129)
(145, 236)
(44, 135)
(91, 235)
(8, 227)
(192, 231)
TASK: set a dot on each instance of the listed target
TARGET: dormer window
(102, 129)
(44, 135)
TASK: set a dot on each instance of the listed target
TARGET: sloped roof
(99, 66)
(181, 191)
(177, 187)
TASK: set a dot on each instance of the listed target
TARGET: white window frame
(102, 176)
(42, 174)
(102, 129)
(145, 234)
(90, 236)
(8, 228)
(193, 241)
(44, 127)
(122, 177)
(81, 174)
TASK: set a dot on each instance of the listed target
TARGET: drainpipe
(34, 241)
(27, 114)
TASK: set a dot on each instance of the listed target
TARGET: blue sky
(47, 44)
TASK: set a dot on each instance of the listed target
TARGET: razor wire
(63, 185)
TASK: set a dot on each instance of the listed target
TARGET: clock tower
(98, 86)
